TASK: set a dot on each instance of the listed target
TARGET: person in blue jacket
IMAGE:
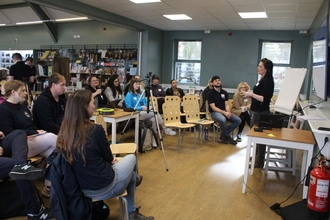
(134, 100)
(85, 147)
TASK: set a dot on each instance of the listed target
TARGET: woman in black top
(261, 95)
(86, 148)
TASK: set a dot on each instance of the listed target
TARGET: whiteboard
(290, 89)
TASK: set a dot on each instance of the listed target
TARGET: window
(280, 54)
(188, 62)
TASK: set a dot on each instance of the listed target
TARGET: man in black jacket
(48, 110)
(174, 90)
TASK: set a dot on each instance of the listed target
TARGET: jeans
(219, 117)
(15, 152)
(125, 179)
(143, 115)
(260, 148)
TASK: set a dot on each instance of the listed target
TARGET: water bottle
(96, 102)
(206, 137)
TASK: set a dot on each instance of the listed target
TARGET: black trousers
(245, 117)
(15, 152)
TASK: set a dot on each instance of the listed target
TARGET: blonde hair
(243, 84)
(13, 85)
(2, 84)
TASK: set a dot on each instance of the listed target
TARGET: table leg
(254, 150)
(113, 133)
(309, 157)
(136, 138)
(246, 169)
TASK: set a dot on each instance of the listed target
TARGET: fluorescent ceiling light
(2, 24)
(29, 22)
(252, 14)
(178, 17)
(72, 19)
(144, 1)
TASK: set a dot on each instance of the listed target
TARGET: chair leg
(195, 137)
(123, 202)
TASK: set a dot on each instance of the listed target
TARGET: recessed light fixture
(29, 22)
(72, 19)
(144, 1)
(178, 17)
(252, 14)
(2, 24)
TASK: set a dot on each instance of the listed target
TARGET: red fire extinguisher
(319, 188)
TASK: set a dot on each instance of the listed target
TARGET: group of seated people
(60, 128)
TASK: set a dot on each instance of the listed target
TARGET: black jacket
(169, 91)
(66, 199)
(48, 113)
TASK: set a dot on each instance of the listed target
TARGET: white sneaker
(169, 131)
(154, 143)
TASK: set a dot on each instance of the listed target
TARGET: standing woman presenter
(261, 95)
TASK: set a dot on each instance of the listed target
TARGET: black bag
(100, 210)
(11, 202)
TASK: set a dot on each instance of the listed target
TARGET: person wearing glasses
(114, 93)
(261, 96)
(241, 107)
(93, 86)
(48, 109)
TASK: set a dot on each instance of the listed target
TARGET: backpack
(11, 202)
(100, 210)
(147, 135)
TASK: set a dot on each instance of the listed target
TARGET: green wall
(234, 58)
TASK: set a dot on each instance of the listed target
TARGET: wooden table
(285, 137)
(118, 116)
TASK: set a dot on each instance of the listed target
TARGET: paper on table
(311, 117)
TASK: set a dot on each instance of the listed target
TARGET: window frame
(276, 65)
(177, 60)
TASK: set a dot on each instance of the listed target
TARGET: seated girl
(85, 147)
(15, 115)
(113, 92)
(131, 101)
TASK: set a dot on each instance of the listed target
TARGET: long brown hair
(75, 127)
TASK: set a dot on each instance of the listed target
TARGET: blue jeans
(219, 117)
(125, 179)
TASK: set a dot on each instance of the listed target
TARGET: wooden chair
(100, 120)
(171, 116)
(283, 158)
(155, 103)
(191, 109)
(123, 148)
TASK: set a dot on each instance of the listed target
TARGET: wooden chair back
(100, 120)
(172, 99)
(155, 103)
(171, 113)
(191, 108)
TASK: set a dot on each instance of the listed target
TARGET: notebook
(271, 120)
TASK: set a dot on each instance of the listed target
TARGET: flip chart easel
(290, 88)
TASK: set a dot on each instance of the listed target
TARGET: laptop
(269, 121)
